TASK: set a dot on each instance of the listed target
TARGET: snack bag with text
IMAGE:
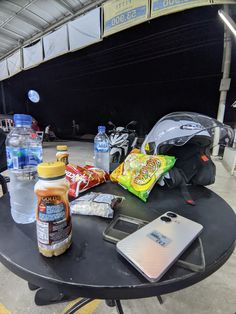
(84, 178)
(118, 171)
(139, 172)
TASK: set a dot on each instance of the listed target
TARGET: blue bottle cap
(101, 128)
(22, 120)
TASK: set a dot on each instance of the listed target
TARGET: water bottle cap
(101, 128)
(22, 119)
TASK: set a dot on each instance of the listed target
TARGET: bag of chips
(139, 172)
(84, 178)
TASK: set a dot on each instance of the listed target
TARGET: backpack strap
(177, 179)
(186, 194)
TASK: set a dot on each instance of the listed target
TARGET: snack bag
(84, 178)
(118, 171)
(140, 172)
(96, 204)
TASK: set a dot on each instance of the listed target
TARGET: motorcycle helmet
(189, 136)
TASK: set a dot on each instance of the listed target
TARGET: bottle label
(63, 158)
(101, 147)
(53, 222)
(23, 157)
(52, 233)
(51, 212)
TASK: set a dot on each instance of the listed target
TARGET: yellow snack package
(118, 171)
(140, 172)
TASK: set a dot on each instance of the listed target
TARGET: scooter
(122, 141)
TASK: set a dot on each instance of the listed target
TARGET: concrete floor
(214, 295)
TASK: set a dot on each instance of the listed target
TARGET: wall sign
(223, 1)
(163, 7)
(121, 14)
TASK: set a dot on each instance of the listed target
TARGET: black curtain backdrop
(169, 64)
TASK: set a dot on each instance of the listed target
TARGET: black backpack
(193, 167)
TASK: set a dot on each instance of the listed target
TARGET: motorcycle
(122, 141)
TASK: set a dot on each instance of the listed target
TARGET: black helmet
(189, 136)
(178, 128)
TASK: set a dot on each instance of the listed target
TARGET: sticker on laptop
(159, 238)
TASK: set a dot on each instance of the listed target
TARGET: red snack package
(84, 178)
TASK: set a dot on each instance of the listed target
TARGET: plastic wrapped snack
(140, 172)
(118, 171)
(84, 178)
(96, 204)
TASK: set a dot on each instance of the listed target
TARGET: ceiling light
(33, 96)
(228, 21)
(234, 104)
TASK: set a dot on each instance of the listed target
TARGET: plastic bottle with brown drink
(62, 154)
(53, 221)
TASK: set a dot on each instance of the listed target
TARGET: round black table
(92, 268)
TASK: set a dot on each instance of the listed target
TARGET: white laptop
(155, 247)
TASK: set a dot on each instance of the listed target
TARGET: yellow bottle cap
(62, 147)
(51, 169)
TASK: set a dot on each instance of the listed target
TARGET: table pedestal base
(110, 303)
(46, 297)
(79, 305)
(32, 287)
(160, 299)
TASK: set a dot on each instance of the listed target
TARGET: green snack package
(139, 172)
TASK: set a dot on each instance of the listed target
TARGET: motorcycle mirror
(132, 123)
(110, 123)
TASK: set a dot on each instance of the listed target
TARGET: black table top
(92, 267)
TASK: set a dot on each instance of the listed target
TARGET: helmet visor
(178, 128)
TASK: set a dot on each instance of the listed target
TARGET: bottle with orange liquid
(62, 154)
(54, 229)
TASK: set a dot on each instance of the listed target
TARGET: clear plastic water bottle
(24, 153)
(102, 149)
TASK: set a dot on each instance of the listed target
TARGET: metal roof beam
(31, 12)
(4, 45)
(7, 38)
(22, 7)
(33, 38)
(22, 18)
(3, 48)
(18, 12)
(8, 31)
(29, 22)
(81, 3)
(65, 6)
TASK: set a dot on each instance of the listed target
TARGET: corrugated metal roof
(22, 20)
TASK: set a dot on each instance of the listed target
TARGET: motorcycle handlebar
(123, 131)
